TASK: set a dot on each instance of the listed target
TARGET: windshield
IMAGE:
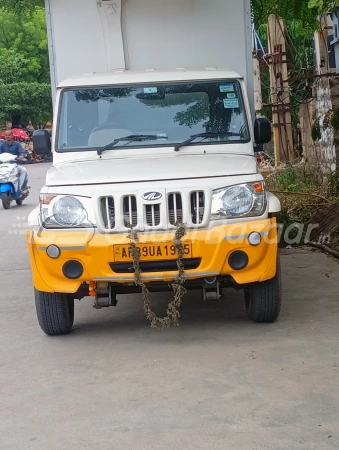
(166, 113)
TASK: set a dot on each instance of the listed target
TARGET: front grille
(197, 207)
(120, 212)
(130, 211)
(155, 266)
(175, 212)
(152, 213)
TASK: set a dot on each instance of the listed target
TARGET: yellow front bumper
(95, 252)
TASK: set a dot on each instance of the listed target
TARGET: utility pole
(258, 103)
(280, 97)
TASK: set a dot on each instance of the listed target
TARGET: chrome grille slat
(108, 221)
(130, 211)
(175, 210)
(197, 207)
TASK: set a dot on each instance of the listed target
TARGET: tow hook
(105, 299)
(210, 290)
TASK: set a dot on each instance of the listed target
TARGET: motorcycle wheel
(19, 201)
(6, 202)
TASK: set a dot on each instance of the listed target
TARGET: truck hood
(129, 170)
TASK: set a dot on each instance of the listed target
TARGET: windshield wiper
(205, 136)
(131, 138)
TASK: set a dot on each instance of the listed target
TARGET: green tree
(27, 37)
(12, 66)
(25, 101)
(25, 91)
(305, 12)
(21, 7)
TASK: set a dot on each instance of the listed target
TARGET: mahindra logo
(151, 196)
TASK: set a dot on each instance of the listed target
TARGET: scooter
(9, 181)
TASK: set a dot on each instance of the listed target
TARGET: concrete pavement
(218, 382)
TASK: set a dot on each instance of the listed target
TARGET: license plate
(152, 252)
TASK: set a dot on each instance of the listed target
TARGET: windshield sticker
(230, 103)
(162, 136)
(232, 95)
(151, 90)
(226, 88)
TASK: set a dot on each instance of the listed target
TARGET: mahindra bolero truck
(151, 168)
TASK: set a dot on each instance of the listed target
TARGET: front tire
(6, 201)
(263, 300)
(18, 201)
(55, 312)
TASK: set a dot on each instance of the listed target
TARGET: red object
(18, 135)
(259, 158)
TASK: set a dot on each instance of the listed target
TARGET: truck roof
(122, 76)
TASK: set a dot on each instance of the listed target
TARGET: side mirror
(41, 142)
(262, 131)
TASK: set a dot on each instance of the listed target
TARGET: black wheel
(6, 202)
(263, 300)
(19, 201)
(55, 312)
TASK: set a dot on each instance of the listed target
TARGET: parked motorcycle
(9, 181)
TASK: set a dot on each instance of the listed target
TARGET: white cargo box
(101, 35)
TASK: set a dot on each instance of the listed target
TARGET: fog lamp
(254, 238)
(53, 251)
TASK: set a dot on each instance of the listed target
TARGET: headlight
(69, 212)
(242, 200)
(66, 211)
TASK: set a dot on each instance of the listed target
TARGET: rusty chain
(173, 315)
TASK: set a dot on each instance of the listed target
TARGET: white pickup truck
(154, 135)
